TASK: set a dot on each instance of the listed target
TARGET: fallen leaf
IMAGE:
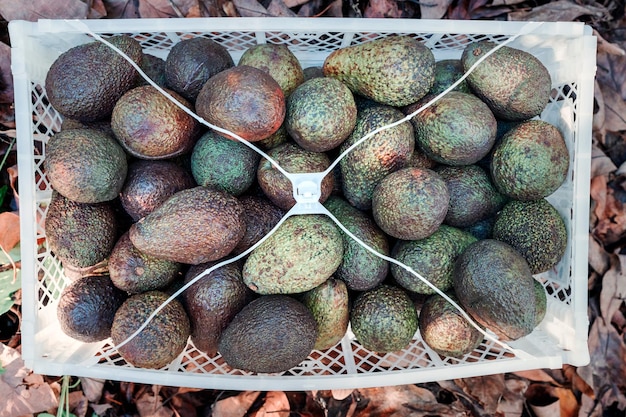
(33, 10)
(598, 258)
(275, 404)
(13, 173)
(279, 9)
(250, 8)
(434, 9)
(235, 406)
(6, 76)
(92, 388)
(613, 291)
(18, 396)
(165, 8)
(341, 394)
(10, 227)
(601, 164)
(546, 400)
(78, 403)
(606, 47)
(121, 9)
(513, 399)
(486, 389)
(559, 11)
(382, 8)
(399, 401)
(536, 375)
(150, 404)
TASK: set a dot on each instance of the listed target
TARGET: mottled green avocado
(457, 129)
(445, 330)
(432, 257)
(80, 235)
(396, 70)
(447, 72)
(191, 62)
(473, 197)
(494, 285)
(87, 306)
(273, 333)
(85, 165)
(531, 161)
(193, 226)
(261, 217)
(85, 82)
(154, 67)
(295, 160)
(373, 159)
(278, 61)
(163, 339)
(384, 319)
(134, 271)
(149, 183)
(321, 113)
(536, 229)
(360, 269)
(329, 304)
(514, 83)
(301, 254)
(410, 203)
(212, 301)
(223, 163)
(541, 305)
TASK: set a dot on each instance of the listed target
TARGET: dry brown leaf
(43, 9)
(559, 11)
(235, 406)
(611, 67)
(121, 9)
(536, 375)
(382, 8)
(486, 389)
(22, 392)
(547, 400)
(279, 9)
(341, 394)
(398, 401)
(599, 259)
(150, 404)
(606, 47)
(165, 8)
(614, 108)
(601, 164)
(78, 403)
(276, 404)
(13, 172)
(613, 287)
(250, 8)
(10, 230)
(6, 77)
(512, 402)
(434, 9)
(92, 388)
(609, 224)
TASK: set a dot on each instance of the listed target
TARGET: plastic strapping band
(307, 185)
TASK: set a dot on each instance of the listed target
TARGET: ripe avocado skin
(494, 284)
(329, 304)
(85, 82)
(261, 216)
(273, 333)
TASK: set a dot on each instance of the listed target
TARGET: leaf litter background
(598, 389)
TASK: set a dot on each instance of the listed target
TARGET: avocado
(432, 257)
(212, 302)
(536, 229)
(531, 161)
(165, 336)
(301, 254)
(79, 234)
(457, 129)
(277, 138)
(150, 126)
(149, 183)
(514, 83)
(293, 159)
(395, 70)
(410, 203)
(85, 165)
(329, 304)
(134, 271)
(473, 197)
(494, 285)
(278, 61)
(273, 333)
(541, 305)
(312, 72)
(191, 62)
(261, 216)
(87, 306)
(321, 114)
(154, 68)
(223, 164)
(384, 319)
(193, 226)
(360, 269)
(382, 153)
(85, 82)
(447, 72)
(244, 100)
(445, 330)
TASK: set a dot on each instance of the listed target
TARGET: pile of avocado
(146, 198)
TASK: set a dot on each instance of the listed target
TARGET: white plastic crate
(568, 50)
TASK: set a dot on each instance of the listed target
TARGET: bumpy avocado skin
(329, 303)
(85, 165)
(80, 235)
(410, 203)
(473, 196)
(161, 341)
(447, 72)
(273, 333)
(321, 113)
(154, 67)
(87, 306)
(495, 286)
(376, 157)
(301, 254)
(261, 216)
(432, 257)
(224, 164)
(536, 229)
(445, 330)
(541, 305)
(85, 82)
(513, 83)
(531, 161)
(278, 61)
(396, 70)
(458, 129)
(193, 226)
(213, 301)
(360, 269)
(384, 319)
(191, 62)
